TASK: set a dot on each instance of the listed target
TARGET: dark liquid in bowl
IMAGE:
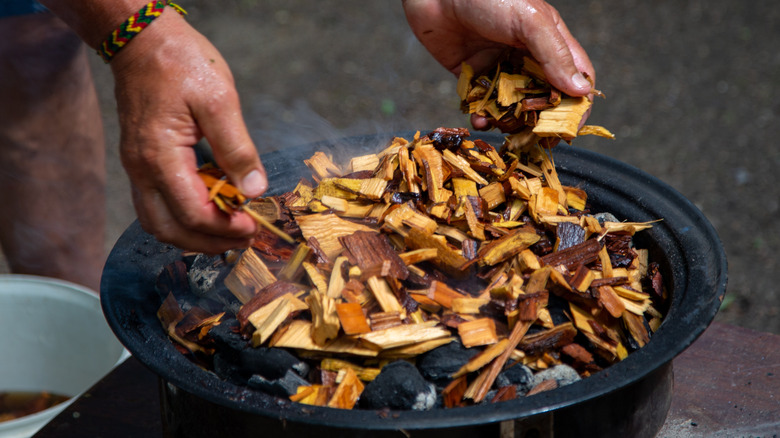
(16, 404)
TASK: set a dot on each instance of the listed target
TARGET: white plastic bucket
(54, 338)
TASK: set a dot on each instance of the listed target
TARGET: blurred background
(692, 95)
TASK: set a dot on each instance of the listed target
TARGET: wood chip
(406, 334)
(481, 331)
(384, 295)
(562, 120)
(352, 319)
(269, 317)
(248, 276)
(481, 387)
(327, 228)
(322, 166)
(297, 335)
(365, 374)
(450, 259)
(369, 249)
(325, 321)
(483, 358)
(507, 246)
(545, 385)
(348, 391)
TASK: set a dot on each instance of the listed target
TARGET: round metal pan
(630, 398)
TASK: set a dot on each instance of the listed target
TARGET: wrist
(93, 20)
(152, 49)
(132, 27)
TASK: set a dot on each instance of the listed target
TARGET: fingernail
(254, 184)
(580, 81)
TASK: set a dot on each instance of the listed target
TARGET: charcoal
(227, 340)
(563, 374)
(399, 386)
(220, 299)
(227, 369)
(283, 387)
(205, 273)
(210, 306)
(439, 364)
(519, 375)
(558, 308)
(271, 363)
(188, 258)
(605, 217)
(232, 305)
(403, 197)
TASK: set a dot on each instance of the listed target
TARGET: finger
(480, 123)
(543, 36)
(223, 126)
(155, 217)
(169, 174)
(578, 53)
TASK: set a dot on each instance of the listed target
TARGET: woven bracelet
(132, 27)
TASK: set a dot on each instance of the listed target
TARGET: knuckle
(220, 98)
(238, 156)
(190, 220)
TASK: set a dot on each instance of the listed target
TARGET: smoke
(300, 126)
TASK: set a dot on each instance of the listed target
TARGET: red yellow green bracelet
(132, 27)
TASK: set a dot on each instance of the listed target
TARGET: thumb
(563, 59)
(233, 149)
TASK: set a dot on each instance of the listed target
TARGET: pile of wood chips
(433, 239)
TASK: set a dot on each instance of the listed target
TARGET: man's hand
(479, 31)
(172, 89)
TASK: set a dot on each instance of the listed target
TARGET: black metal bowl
(630, 398)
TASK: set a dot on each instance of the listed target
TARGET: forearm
(94, 20)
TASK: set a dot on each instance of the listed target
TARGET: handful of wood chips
(435, 239)
(517, 99)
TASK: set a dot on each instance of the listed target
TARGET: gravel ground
(692, 94)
